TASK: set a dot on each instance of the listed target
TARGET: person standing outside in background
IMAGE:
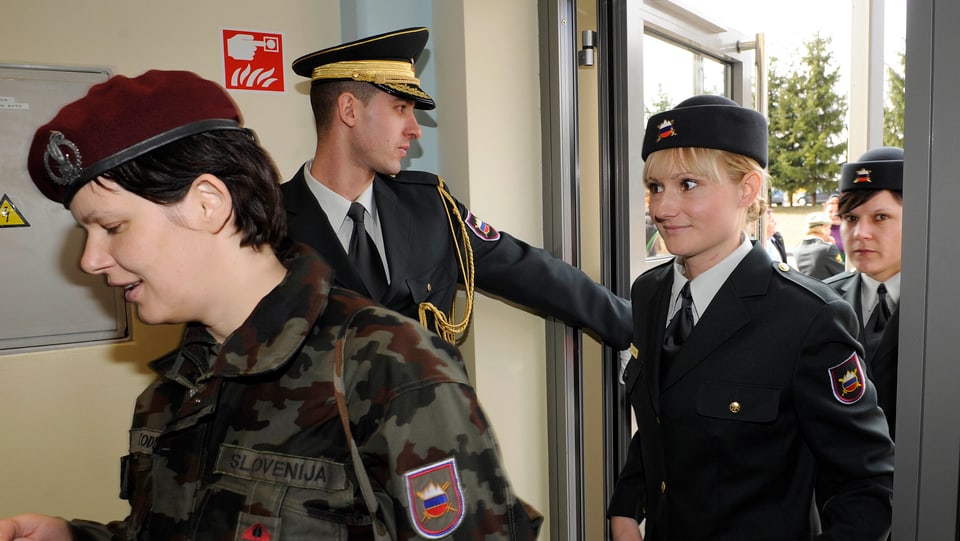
(871, 207)
(816, 255)
(771, 239)
(748, 387)
(424, 242)
(831, 209)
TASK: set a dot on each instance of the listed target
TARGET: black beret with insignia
(877, 169)
(386, 61)
(709, 121)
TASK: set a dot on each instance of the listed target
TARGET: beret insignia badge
(665, 130)
(863, 175)
(62, 159)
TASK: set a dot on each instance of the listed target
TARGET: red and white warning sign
(253, 60)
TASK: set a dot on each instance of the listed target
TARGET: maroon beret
(121, 119)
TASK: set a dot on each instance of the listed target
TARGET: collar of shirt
(868, 293)
(335, 206)
(704, 287)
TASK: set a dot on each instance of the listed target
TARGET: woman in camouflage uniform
(292, 409)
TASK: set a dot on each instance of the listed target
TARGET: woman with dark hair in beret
(748, 385)
(292, 409)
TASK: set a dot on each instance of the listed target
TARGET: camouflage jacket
(243, 440)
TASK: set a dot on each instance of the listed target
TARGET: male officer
(871, 209)
(422, 240)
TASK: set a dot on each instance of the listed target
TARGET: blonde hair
(701, 161)
(710, 163)
(756, 209)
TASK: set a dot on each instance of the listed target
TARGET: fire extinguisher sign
(253, 60)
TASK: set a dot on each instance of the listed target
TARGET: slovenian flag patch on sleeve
(480, 228)
(435, 499)
(847, 380)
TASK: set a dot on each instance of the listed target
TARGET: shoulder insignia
(435, 499)
(810, 284)
(847, 380)
(415, 177)
(480, 228)
(839, 277)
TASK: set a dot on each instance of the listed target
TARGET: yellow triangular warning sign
(9, 215)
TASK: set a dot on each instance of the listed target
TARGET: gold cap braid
(369, 71)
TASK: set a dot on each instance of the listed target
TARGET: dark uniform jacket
(882, 361)
(818, 258)
(765, 401)
(423, 261)
(244, 440)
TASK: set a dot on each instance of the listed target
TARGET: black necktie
(873, 330)
(364, 255)
(882, 308)
(680, 326)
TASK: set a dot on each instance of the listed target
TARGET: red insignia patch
(257, 532)
(435, 499)
(863, 175)
(665, 129)
(481, 229)
(847, 380)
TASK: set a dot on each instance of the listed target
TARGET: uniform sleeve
(424, 440)
(834, 260)
(845, 429)
(512, 269)
(444, 471)
(85, 530)
(627, 499)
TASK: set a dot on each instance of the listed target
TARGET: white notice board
(45, 299)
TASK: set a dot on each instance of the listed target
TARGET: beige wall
(131, 37)
(64, 415)
(489, 114)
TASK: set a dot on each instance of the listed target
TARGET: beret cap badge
(68, 162)
(665, 130)
(708, 121)
(879, 168)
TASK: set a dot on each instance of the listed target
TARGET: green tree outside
(660, 104)
(894, 105)
(807, 122)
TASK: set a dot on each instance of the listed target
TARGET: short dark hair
(164, 176)
(323, 98)
(853, 199)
